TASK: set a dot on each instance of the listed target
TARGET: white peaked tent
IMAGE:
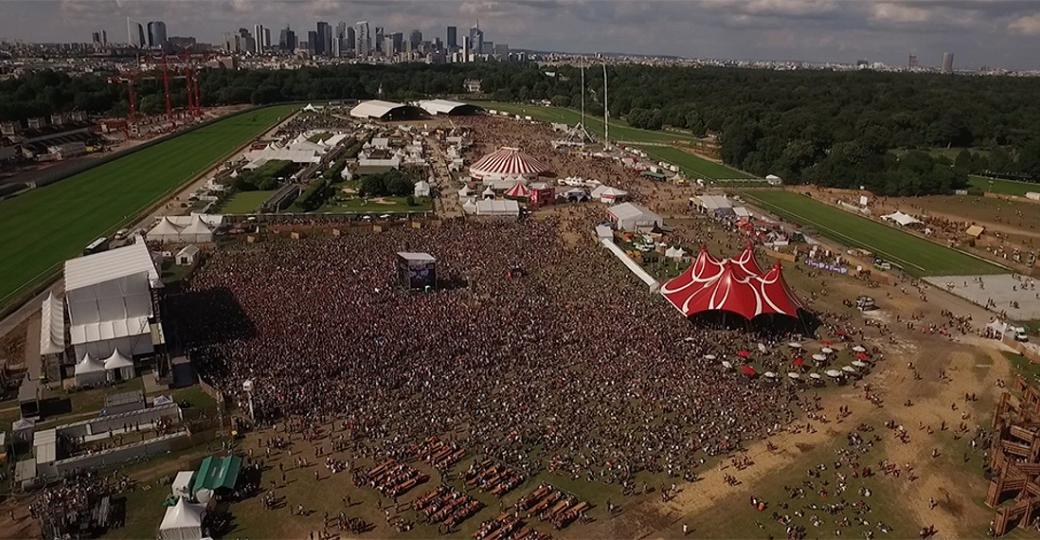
(183, 521)
(197, 231)
(164, 231)
(422, 189)
(119, 367)
(89, 371)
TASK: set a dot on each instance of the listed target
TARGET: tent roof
(216, 472)
(901, 218)
(492, 207)
(112, 264)
(444, 106)
(508, 161)
(519, 190)
(629, 210)
(182, 515)
(975, 231)
(165, 226)
(197, 226)
(89, 365)
(52, 325)
(376, 108)
(116, 360)
(111, 329)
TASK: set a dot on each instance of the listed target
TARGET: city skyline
(991, 33)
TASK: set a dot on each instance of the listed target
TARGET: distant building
(181, 42)
(379, 39)
(351, 38)
(471, 85)
(912, 62)
(364, 39)
(135, 36)
(415, 38)
(947, 62)
(453, 38)
(324, 46)
(312, 41)
(258, 38)
(156, 34)
(476, 40)
(502, 49)
(287, 39)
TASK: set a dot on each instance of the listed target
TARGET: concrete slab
(1018, 297)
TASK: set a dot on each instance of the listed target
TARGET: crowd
(568, 361)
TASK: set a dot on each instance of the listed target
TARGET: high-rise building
(363, 39)
(104, 38)
(397, 42)
(258, 38)
(453, 38)
(341, 29)
(911, 62)
(501, 49)
(267, 38)
(415, 38)
(156, 34)
(287, 39)
(476, 40)
(95, 39)
(379, 41)
(466, 52)
(324, 39)
(947, 62)
(135, 36)
(313, 41)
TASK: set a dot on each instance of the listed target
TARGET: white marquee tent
(89, 371)
(183, 521)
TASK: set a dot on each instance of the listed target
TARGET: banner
(830, 267)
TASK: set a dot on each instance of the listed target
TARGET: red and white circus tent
(519, 191)
(507, 162)
(735, 285)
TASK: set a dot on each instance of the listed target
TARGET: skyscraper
(312, 41)
(324, 39)
(351, 38)
(911, 62)
(476, 40)
(453, 38)
(287, 39)
(397, 42)
(364, 39)
(156, 34)
(415, 38)
(341, 29)
(947, 62)
(466, 52)
(379, 41)
(258, 38)
(135, 34)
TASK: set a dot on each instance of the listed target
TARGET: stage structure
(416, 270)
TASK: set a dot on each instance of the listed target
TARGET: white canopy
(859, 364)
(901, 218)
(815, 376)
(182, 521)
(827, 350)
(819, 357)
(89, 365)
(794, 345)
(182, 483)
(833, 373)
(793, 375)
(117, 361)
(859, 348)
(726, 364)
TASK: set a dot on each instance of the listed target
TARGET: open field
(917, 256)
(692, 165)
(245, 202)
(1003, 187)
(42, 228)
(619, 131)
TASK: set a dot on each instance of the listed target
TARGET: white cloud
(1028, 25)
(900, 13)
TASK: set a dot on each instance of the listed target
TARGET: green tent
(217, 472)
(654, 175)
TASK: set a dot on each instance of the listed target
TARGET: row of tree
(834, 128)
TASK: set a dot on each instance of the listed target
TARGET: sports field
(619, 131)
(1003, 187)
(42, 228)
(917, 256)
(693, 166)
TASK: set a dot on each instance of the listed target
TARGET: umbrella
(861, 356)
(815, 376)
(762, 348)
(798, 361)
(793, 375)
(727, 365)
(819, 357)
(748, 370)
(827, 350)
(859, 349)
(833, 373)
(794, 345)
(743, 353)
(859, 364)
(848, 369)
(770, 375)
(709, 357)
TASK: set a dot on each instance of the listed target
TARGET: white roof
(89, 365)
(374, 108)
(111, 329)
(901, 218)
(52, 325)
(117, 361)
(607, 191)
(629, 210)
(502, 207)
(182, 515)
(197, 226)
(440, 106)
(416, 256)
(182, 482)
(713, 202)
(741, 211)
(45, 445)
(189, 250)
(109, 265)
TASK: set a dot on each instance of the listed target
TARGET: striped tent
(507, 162)
(519, 191)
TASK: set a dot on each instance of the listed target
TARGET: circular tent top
(508, 162)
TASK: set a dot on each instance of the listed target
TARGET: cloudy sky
(980, 32)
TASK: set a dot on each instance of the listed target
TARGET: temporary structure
(119, 367)
(183, 521)
(519, 191)
(507, 162)
(182, 484)
(422, 189)
(89, 371)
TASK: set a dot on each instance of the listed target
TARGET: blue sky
(980, 32)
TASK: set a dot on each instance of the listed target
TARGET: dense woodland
(841, 129)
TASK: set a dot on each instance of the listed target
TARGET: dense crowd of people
(542, 350)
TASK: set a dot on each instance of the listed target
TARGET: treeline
(844, 129)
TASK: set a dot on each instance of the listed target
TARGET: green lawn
(917, 256)
(692, 165)
(245, 202)
(42, 228)
(619, 131)
(1003, 187)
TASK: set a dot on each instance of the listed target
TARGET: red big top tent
(733, 285)
(507, 162)
(519, 191)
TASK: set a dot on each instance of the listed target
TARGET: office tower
(438, 44)
(466, 49)
(502, 49)
(246, 41)
(341, 29)
(379, 41)
(397, 42)
(95, 39)
(258, 38)
(947, 62)
(267, 38)
(337, 45)
(312, 41)
(324, 45)
(415, 38)
(104, 38)
(453, 38)
(287, 39)
(351, 38)
(489, 48)
(364, 40)
(476, 40)
(911, 62)
(135, 34)
(388, 45)
(156, 34)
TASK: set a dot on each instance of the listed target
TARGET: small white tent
(119, 367)
(197, 231)
(182, 521)
(89, 371)
(422, 189)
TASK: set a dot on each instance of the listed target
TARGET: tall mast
(583, 93)
(606, 112)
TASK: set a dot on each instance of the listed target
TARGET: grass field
(619, 131)
(1003, 187)
(692, 165)
(42, 228)
(245, 202)
(917, 256)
